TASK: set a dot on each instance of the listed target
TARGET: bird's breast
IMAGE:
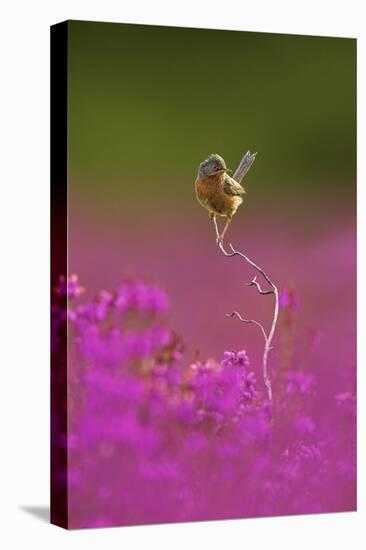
(211, 195)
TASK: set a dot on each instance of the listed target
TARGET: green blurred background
(147, 104)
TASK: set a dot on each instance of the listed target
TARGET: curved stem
(240, 172)
(274, 290)
(255, 283)
(243, 320)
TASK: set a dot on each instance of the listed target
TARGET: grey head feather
(211, 165)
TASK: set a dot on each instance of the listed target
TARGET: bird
(219, 193)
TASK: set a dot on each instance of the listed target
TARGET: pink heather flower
(221, 391)
(115, 346)
(289, 299)
(69, 286)
(167, 469)
(249, 393)
(144, 343)
(347, 402)
(232, 358)
(142, 417)
(314, 338)
(309, 452)
(304, 424)
(298, 382)
(141, 297)
(102, 304)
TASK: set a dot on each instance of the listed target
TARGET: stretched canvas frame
(177, 392)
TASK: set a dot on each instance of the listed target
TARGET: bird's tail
(244, 165)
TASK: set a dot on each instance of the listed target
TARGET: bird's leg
(213, 218)
(220, 238)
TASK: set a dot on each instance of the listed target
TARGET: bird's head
(213, 165)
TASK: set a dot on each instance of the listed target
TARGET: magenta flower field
(159, 433)
(203, 273)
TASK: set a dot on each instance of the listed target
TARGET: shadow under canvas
(40, 512)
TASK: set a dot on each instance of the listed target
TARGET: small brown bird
(216, 191)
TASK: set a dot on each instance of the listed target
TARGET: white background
(24, 272)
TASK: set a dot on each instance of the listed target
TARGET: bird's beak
(228, 170)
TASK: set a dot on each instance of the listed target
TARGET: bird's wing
(231, 187)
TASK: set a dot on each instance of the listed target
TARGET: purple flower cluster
(69, 286)
(146, 299)
(289, 299)
(298, 382)
(131, 296)
(154, 437)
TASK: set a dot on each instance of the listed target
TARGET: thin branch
(255, 283)
(267, 338)
(237, 253)
(252, 321)
(242, 169)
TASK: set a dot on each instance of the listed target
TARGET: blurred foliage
(147, 104)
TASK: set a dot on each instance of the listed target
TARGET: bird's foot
(220, 240)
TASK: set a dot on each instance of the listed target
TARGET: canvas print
(203, 274)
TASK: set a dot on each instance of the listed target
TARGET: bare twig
(255, 283)
(252, 321)
(267, 338)
(243, 167)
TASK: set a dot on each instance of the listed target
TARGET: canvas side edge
(58, 176)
